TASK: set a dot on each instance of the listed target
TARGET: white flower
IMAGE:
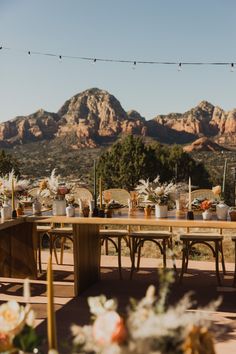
(12, 318)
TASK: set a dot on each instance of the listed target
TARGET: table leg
(18, 251)
(87, 254)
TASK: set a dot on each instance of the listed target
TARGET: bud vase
(222, 210)
(207, 215)
(161, 211)
(59, 207)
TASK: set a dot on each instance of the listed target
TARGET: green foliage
(126, 162)
(27, 340)
(130, 159)
(7, 163)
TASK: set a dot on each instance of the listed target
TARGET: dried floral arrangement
(52, 187)
(20, 185)
(149, 327)
(156, 192)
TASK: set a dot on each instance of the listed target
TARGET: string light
(134, 65)
(124, 61)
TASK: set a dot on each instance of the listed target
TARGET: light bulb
(180, 67)
(232, 67)
(134, 65)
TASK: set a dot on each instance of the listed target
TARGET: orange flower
(109, 328)
(206, 204)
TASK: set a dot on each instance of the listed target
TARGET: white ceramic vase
(207, 215)
(222, 210)
(59, 207)
(161, 211)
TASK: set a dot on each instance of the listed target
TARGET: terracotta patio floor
(200, 279)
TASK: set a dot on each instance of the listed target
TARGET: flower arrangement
(206, 204)
(150, 327)
(16, 328)
(156, 192)
(52, 187)
(6, 182)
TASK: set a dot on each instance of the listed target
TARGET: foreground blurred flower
(150, 326)
(16, 327)
(109, 328)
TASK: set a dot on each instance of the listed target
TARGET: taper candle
(12, 194)
(26, 291)
(189, 195)
(100, 191)
(52, 338)
(95, 184)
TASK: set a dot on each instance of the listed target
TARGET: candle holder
(95, 212)
(101, 213)
(190, 215)
(14, 214)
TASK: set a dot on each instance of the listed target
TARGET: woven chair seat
(113, 233)
(151, 234)
(61, 230)
(201, 236)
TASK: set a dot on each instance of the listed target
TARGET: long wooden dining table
(18, 243)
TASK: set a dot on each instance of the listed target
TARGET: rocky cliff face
(94, 117)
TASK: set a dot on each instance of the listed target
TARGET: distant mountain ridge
(94, 117)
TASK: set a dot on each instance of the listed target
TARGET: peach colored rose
(109, 328)
(216, 190)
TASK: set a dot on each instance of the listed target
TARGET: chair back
(204, 193)
(83, 194)
(119, 195)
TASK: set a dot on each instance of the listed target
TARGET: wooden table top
(173, 220)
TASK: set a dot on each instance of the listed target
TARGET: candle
(12, 194)
(189, 195)
(26, 291)
(95, 185)
(100, 191)
(52, 340)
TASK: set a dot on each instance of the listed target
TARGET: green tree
(7, 163)
(130, 159)
(127, 162)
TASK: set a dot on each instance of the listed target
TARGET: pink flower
(109, 328)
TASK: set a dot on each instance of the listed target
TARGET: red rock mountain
(94, 117)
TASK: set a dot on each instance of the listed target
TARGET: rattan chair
(115, 236)
(204, 193)
(214, 241)
(162, 239)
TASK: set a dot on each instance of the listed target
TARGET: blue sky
(183, 30)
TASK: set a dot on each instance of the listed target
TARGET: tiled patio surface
(200, 279)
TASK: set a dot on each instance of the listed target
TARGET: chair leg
(139, 255)
(164, 252)
(106, 247)
(217, 262)
(184, 260)
(39, 252)
(63, 241)
(234, 281)
(132, 256)
(53, 247)
(222, 257)
(119, 256)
